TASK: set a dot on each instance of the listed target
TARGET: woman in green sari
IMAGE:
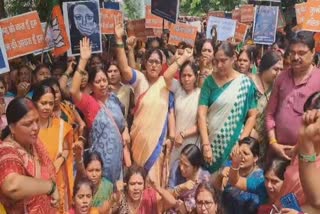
(227, 109)
(91, 166)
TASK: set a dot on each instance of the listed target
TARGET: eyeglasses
(154, 62)
(299, 53)
(206, 204)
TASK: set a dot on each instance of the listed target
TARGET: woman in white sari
(227, 109)
(186, 105)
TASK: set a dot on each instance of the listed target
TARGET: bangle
(182, 135)
(82, 138)
(82, 72)
(119, 45)
(235, 169)
(53, 188)
(177, 64)
(171, 139)
(308, 158)
(273, 141)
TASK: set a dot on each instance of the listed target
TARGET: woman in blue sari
(103, 113)
(227, 109)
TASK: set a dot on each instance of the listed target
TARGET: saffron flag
(60, 38)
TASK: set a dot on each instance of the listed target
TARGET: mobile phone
(290, 201)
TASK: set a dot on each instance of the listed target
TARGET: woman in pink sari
(27, 173)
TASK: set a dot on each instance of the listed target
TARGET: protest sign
(137, 28)
(281, 20)
(241, 31)
(317, 42)
(22, 34)
(182, 32)
(196, 24)
(167, 9)
(219, 14)
(311, 20)
(300, 12)
(111, 5)
(265, 24)
(225, 28)
(108, 17)
(247, 13)
(82, 19)
(49, 39)
(236, 15)
(4, 65)
(153, 21)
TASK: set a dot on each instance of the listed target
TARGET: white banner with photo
(4, 65)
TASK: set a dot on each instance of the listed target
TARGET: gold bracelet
(82, 72)
(273, 141)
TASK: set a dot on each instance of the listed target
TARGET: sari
(186, 109)
(14, 159)
(229, 105)
(149, 128)
(106, 123)
(148, 205)
(91, 211)
(103, 193)
(53, 138)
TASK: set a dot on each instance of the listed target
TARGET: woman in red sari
(27, 174)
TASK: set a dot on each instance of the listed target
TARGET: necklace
(134, 210)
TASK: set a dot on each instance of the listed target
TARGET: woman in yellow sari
(57, 137)
(149, 128)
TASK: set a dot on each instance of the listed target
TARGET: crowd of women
(153, 128)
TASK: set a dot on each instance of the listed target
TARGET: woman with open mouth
(82, 197)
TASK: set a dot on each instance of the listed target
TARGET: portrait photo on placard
(4, 65)
(82, 19)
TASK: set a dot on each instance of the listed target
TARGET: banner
(312, 16)
(247, 13)
(4, 65)
(49, 39)
(225, 28)
(219, 14)
(60, 37)
(300, 12)
(153, 21)
(82, 19)
(236, 15)
(137, 28)
(241, 31)
(167, 9)
(22, 34)
(196, 24)
(182, 33)
(107, 20)
(265, 25)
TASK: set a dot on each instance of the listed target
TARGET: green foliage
(134, 9)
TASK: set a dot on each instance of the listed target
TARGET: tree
(134, 9)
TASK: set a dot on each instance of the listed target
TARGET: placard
(265, 25)
(82, 19)
(247, 13)
(182, 33)
(153, 21)
(300, 12)
(281, 20)
(225, 28)
(241, 31)
(219, 14)
(317, 42)
(4, 65)
(108, 17)
(49, 39)
(167, 9)
(137, 28)
(312, 16)
(111, 5)
(236, 15)
(22, 34)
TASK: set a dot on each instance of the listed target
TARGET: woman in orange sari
(57, 137)
(152, 105)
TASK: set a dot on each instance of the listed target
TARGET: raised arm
(124, 68)
(234, 177)
(174, 67)
(85, 54)
(63, 81)
(131, 42)
(308, 148)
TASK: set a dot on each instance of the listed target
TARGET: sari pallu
(106, 137)
(103, 193)
(149, 128)
(226, 118)
(14, 159)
